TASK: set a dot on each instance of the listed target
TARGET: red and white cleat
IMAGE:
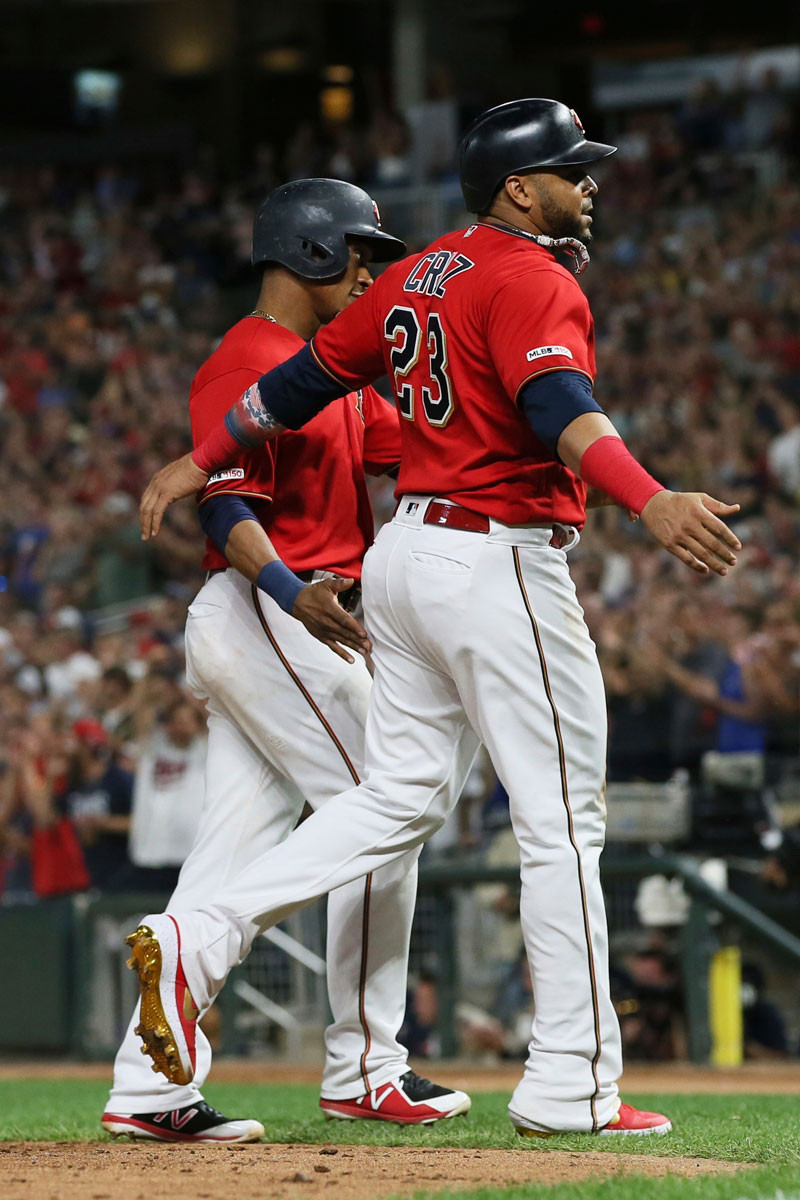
(627, 1120)
(409, 1100)
(632, 1120)
(167, 1015)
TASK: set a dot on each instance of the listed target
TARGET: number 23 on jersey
(412, 371)
(419, 357)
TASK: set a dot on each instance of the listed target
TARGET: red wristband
(608, 465)
(217, 450)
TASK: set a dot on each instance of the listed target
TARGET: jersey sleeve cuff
(235, 492)
(549, 371)
(324, 367)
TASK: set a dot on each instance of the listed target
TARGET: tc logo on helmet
(577, 120)
(377, 212)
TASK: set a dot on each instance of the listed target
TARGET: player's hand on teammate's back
(688, 525)
(174, 481)
(323, 616)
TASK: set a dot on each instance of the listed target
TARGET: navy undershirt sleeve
(219, 514)
(296, 390)
(552, 401)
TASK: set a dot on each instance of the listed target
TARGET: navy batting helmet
(520, 136)
(304, 225)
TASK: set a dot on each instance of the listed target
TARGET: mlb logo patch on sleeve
(544, 351)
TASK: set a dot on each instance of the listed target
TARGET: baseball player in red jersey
(476, 628)
(285, 715)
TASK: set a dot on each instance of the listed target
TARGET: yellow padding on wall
(725, 1007)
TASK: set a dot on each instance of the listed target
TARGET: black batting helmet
(304, 225)
(520, 136)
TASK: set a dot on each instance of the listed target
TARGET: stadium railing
(698, 941)
(75, 995)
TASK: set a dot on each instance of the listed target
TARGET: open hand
(174, 481)
(323, 616)
(688, 525)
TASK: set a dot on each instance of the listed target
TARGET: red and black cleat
(199, 1123)
(409, 1100)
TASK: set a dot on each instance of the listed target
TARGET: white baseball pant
(286, 724)
(476, 637)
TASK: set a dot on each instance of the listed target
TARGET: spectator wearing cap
(71, 665)
(99, 802)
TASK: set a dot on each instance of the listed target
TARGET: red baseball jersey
(461, 328)
(318, 514)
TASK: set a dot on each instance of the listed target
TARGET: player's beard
(560, 221)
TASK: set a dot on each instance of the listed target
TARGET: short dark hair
(118, 675)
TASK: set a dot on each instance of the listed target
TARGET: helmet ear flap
(318, 255)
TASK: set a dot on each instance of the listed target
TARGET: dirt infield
(69, 1171)
(126, 1171)
(774, 1078)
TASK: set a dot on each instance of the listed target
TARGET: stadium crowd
(116, 284)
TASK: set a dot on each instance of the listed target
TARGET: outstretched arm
(344, 355)
(685, 523)
(297, 389)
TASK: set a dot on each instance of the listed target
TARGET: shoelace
(205, 1108)
(416, 1086)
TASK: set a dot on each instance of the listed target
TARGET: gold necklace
(260, 312)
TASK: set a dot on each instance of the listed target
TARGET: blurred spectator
(781, 869)
(703, 118)
(505, 1032)
(418, 1031)
(759, 679)
(514, 1007)
(121, 564)
(499, 900)
(766, 115)
(764, 1025)
(98, 799)
(115, 706)
(645, 989)
(433, 124)
(168, 794)
(390, 147)
(783, 453)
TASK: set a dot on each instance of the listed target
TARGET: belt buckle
(561, 537)
(349, 599)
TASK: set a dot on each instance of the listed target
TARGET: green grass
(761, 1184)
(762, 1130)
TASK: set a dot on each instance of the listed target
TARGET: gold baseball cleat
(163, 1028)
